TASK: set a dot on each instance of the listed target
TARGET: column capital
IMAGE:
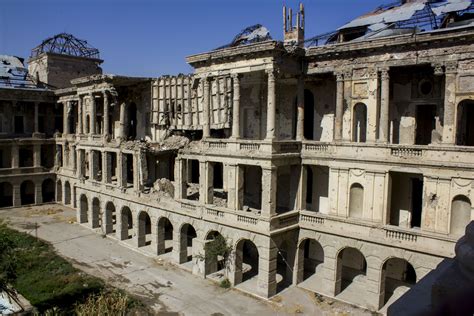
(339, 75)
(272, 73)
(438, 69)
(451, 67)
(236, 76)
(347, 74)
(384, 73)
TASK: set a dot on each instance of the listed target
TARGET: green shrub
(225, 283)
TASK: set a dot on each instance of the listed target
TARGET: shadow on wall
(417, 300)
(448, 289)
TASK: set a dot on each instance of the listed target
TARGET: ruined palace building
(341, 163)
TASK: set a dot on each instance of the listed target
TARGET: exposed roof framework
(252, 34)
(398, 18)
(66, 44)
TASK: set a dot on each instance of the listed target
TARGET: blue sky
(153, 37)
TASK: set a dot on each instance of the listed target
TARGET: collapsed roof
(66, 44)
(405, 16)
(13, 73)
(252, 34)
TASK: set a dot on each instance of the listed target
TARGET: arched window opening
(27, 192)
(351, 270)
(164, 236)
(398, 276)
(359, 127)
(461, 214)
(465, 123)
(356, 201)
(48, 191)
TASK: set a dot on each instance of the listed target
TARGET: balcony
(393, 236)
(246, 147)
(449, 156)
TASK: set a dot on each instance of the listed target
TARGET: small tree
(219, 247)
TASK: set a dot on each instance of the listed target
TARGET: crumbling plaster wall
(253, 105)
(286, 110)
(323, 89)
(58, 70)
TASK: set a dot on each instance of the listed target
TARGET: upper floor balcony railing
(395, 153)
(251, 147)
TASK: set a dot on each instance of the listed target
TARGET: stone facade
(346, 169)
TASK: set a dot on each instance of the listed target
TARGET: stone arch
(83, 209)
(67, 193)
(461, 214)
(284, 266)
(126, 223)
(359, 123)
(59, 191)
(465, 123)
(144, 229)
(164, 238)
(187, 233)
(397, 277)
(96, 213)
(310, 261)
(356, 200)
(246, 261)
(110, 218)
(27, 192)
(351, 265)
(48, 190)
(212, 264)
(6, 194)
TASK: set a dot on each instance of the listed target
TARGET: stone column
(106, 114)
(235, 181)
(80, 129)
(37, 155)
(36, 130)
(38, 193)
(92, 165)
(449, 124)
(93, 115)
(64, 104)
(384, 106)
(269, 194)
(236, 107)
(206, 180)
(67, 114)
(180, 179)
(267, 265)
(15, 163)
(122, 168)
(74, 157)
(199, 262)
(80, 164)
(339, 106)
(347, 103)
(271, 104)
(136, 172)
(179, 253)
(302, 187)
(106, 164)
(16, 195)
(206, 128)
(300, 105)
(123, 109)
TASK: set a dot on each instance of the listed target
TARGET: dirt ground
(166, 288)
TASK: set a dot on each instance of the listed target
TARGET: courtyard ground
(167, 289)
